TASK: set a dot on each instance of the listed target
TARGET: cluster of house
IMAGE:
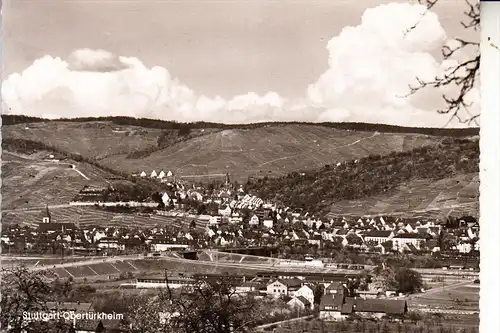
(301, 292)
(379, 234)
(262, 227)
(154, 175)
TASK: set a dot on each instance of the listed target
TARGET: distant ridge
(165, 124)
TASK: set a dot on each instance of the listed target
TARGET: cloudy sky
(226, 60)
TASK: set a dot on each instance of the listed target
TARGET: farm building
(337, 307)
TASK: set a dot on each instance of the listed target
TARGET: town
(301, 263)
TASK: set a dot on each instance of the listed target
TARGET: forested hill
(316, 191)
(172, 125)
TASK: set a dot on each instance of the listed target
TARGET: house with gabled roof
(338, 307)
(225, 210)
(254, 220)
(307, 292)
(287, 287)
(300, 302)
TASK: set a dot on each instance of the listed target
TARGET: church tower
(46, 215)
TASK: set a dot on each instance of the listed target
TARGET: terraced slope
(31, 181)
(261, 150)
(273, 150)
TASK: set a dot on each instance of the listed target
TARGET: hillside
(30, 180)
(269, 149)
(352, 169)
(438, 178)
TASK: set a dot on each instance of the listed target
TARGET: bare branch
(464, 76)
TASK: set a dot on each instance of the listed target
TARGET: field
(420, 198)
(463, 296)
(97, 139)
(91, 216)
(272, 151)
(104, 269)
(449, 324)
(30, 181)
(267, 150)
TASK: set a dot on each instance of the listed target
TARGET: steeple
(46, 215)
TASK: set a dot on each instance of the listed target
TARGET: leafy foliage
(408, 280)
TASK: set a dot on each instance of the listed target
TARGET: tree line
(173, 125)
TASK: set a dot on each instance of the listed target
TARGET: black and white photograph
(240, 166)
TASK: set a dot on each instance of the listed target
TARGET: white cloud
(370, 68)
(372, 65)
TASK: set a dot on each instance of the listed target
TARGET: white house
(464, 247)
(254, 220)
(307, 292)
(235, 218)
(268, 223)
(154, 174)
(160, 245)
(109, 243)
(165, 198)
(169, 174)
(405, 238)
(283, 287)
(161, 175)
(215, 220)
(248, 287)
(143, 174)
(225, 210)
(277, 288)
(300, 302)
